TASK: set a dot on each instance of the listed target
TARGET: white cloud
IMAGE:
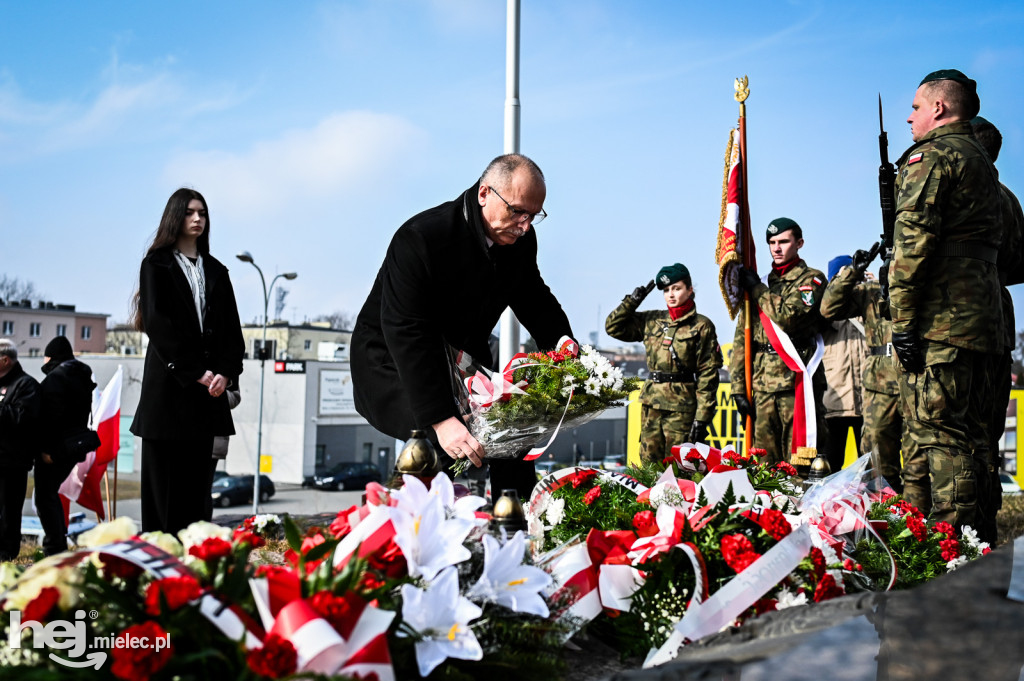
(337, 156)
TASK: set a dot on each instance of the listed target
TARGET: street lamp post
(245, 256)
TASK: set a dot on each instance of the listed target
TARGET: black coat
(66, 402)
(173, 405)
(440, 285)
(19, 419)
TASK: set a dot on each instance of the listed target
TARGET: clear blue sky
(315, 129)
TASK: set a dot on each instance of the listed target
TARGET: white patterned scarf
(196, 280)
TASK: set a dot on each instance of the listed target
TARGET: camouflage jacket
(846, 296)
(1011, 259)
(943, 282)
(792, 301)
(688, 344)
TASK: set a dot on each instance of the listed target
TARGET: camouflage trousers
(773, 423)
(883, 431)
(947, 411)
(661, 429)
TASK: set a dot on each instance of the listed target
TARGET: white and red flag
(731, 226)
(83, 484)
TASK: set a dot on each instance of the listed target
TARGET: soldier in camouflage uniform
(944, 292)
(791, 298)
(851, 294)
(683, 356)
(1011, 271)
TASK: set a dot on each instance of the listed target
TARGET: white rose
(162, 540)
(200, 531)
(108, 533)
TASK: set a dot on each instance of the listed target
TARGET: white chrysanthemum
(593, 386)
(970, 537)
(787, 599)
(588, 358)
(956, 562)
(555, 511)
(260, 522)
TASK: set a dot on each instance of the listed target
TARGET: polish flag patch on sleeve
(818, 281)
(915, 158)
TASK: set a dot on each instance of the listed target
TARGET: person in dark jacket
(448, 275)
(66, 401)
(19, 423)
(186, 305)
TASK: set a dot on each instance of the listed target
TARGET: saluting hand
(641, 292)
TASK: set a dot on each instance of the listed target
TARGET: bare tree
(339, 319)
(13, 288)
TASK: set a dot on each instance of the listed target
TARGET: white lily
(507, 581)
(414, 494)
(428, 541)
(441, 616)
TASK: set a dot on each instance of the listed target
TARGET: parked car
(232, 490)
(548, 467)
(615, 462)
(1008, 484)
(348, 475)
(218, 474)
(77, 524)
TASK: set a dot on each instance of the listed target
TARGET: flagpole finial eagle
(742, 91)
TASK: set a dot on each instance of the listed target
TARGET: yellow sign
(266, 463)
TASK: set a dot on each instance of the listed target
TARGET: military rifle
(887, 197)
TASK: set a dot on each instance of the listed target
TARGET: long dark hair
(167, 234)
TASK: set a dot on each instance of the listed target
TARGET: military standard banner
(729, 251)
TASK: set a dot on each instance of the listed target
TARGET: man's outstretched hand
(457, 441)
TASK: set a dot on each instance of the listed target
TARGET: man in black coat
(19, 416)
(66, 402)
(448, 275)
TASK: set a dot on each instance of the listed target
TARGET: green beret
(780, 225)
(970, 86)
(670, 274)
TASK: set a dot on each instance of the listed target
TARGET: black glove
(698, 431)
(883, 277)
(743, 406)
(640, 292)
(862, 258)
(748, 279)
(908, 349)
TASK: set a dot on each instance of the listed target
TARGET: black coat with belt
(173, 404)
(440, 285)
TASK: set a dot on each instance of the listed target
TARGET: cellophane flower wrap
(538, 394)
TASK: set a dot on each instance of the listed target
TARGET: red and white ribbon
(805, 424)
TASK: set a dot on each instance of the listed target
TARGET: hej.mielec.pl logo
(72, 637)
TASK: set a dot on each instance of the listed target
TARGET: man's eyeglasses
(518, 214)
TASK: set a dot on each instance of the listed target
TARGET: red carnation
(917, 527)
(340, 526)
(775, 523)
(643, 523)
(138, 664)
(950, 549)
(177, 591)
(275, 659)
(583, 477)
(817, 562)
(785, 467)
(591, 496)
(332, 608)
(763, 605)
(212, 549)
(757, 452)
(826, 589)
(738, 552)
(389, 561)
(944, 528)
(41, 605)
(242, 536)
(901, 507)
